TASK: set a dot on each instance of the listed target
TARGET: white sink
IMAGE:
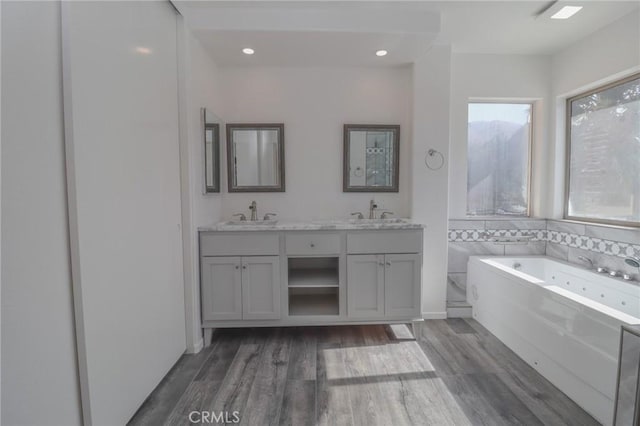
(361, 221)
(250, 222)
(389, 220)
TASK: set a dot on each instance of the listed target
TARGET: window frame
(529, 197)
(567, 160)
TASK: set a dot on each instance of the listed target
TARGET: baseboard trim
(434, 315)
(460, 312)
(199, 345)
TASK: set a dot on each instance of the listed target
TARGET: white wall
(314, 104)
(121, 136)
(597, 58)
(608, 54)
(200, 89)
(0, 215)
(39, 371)
(429, 197)
(604, 56)
(509, 78)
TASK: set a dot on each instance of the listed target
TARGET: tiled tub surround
(606, 246)
(486, 237)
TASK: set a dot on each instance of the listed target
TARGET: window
(603, 154)
(499, 157)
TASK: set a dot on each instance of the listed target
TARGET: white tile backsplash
(568, 227)
(557, 251)
(459, 253)
(631, 236)
(533, 248)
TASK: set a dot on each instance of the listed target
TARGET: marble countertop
(319, 225)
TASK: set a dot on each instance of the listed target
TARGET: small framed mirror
(371, 158)
(255, 157)
(211, 137)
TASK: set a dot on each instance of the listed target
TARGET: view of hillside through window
(604, 179)
(499, 138)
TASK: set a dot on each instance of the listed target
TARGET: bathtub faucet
(586, 259)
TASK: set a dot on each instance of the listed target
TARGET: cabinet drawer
(239, 244)
(385, 242)
(312, 243)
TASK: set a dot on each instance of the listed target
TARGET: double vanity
(271, 273)
(268, 273)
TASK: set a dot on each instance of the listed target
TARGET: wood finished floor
(456, 373)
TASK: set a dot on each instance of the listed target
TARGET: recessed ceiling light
(248, 51)
(381, 53)
(143, 50)
(566, 12)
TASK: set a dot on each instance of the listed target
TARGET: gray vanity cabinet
(365, 291)
(402, 285)
(384, 274)
(383, 286)
(258, 275)
(261, 287)
(240, 288)
(221, 291)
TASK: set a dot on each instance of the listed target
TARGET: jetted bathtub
(562, 320)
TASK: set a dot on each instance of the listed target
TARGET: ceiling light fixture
(566, 12)
(381, 53)
(248, 51)
(143, 50)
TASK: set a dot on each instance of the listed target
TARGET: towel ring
(431, 154)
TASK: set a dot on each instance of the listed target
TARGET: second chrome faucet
(372, 209)
(254, 210)
(372, 212)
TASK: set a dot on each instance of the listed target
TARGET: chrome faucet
(586, 259)
(358, 215)
(385, 215)
(254, 210)
(372, 209)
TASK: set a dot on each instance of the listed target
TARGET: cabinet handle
(244, 267)
(237, 267)
(381, 263)
(388, 263)
(312, 245)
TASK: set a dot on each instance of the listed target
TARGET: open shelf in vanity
(313, 286)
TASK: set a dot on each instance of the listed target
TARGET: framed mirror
(211, 136)
(371, 158)
(255, 157)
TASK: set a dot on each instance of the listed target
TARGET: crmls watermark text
(220, 417)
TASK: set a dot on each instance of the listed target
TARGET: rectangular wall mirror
(211, 151)
(255, 157)
(371, 158)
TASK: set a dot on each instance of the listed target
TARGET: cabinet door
(402, 286)
(261, 287)
(365, 286)
(221, 288)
